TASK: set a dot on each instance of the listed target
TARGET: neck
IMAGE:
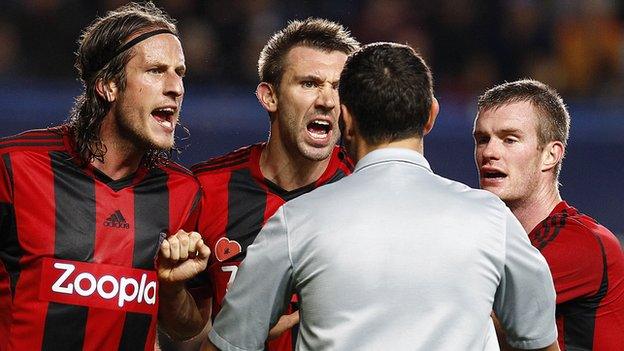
(289, 170)
(538, 206)
(362, 148)
(122, 156)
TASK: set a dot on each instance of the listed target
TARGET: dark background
(575, 46)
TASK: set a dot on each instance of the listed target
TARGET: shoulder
(234, 160)
(177, 170)
(569, 228)
(179, 177)
(44, 140)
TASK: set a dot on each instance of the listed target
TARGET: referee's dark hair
(388, 88)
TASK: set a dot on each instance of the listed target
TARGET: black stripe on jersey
(579, 315)
(558, 222)
(151, 211)
(134, 333)
(246, 206)
(74, 196)
(10, 250)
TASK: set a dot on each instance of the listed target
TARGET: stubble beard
(136, 134)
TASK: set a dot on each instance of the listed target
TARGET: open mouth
(164, 117)
(319, 129)
(493, 175)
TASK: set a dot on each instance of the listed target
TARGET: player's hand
(285, 322)
(181, 257)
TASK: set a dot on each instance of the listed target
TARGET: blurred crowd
(576, 46)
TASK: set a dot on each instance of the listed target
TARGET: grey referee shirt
(393, 257)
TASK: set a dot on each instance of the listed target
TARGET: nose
(327, 97)
(174, 86)
(489, 151)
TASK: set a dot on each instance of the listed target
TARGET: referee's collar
(392, 155)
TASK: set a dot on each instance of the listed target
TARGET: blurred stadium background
(575, 46)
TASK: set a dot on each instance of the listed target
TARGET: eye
(479, 139)
(155, 70)
(510, 140)
(308, 84)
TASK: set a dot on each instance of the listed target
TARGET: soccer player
(84, 205)
(299, 71)
(392, 257)
(521, 132)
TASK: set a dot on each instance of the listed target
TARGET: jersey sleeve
(260, 292)
(525, 299)
(575, 258)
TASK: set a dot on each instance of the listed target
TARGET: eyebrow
(314, 77)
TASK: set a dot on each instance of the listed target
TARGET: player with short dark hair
(392, 257)
(83, 206)
(299, 70)
(521, 133)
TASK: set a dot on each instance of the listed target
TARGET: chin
(317, 154)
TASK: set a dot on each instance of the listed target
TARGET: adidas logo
(116, 220)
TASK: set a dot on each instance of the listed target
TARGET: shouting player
(299, 71)
(84, 205)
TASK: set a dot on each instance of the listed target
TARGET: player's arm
(260, 293)
(525, 299)
(181, 257)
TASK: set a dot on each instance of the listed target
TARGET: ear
(433, 114)
(347, 124)
(107, 90)
(552, 155)
(267, 96)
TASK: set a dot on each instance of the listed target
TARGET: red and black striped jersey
(78, 249)
(587, 266)
(238, 201)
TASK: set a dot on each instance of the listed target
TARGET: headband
(132, 43)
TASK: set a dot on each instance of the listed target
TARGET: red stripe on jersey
(36, 233)
(114, 244)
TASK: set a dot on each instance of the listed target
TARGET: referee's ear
(433, 113)
(347, 124)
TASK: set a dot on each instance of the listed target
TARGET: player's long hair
(104, 36)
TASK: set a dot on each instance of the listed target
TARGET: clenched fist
(181, 257)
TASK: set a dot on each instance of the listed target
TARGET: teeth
(165, 110)
(324, 123)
